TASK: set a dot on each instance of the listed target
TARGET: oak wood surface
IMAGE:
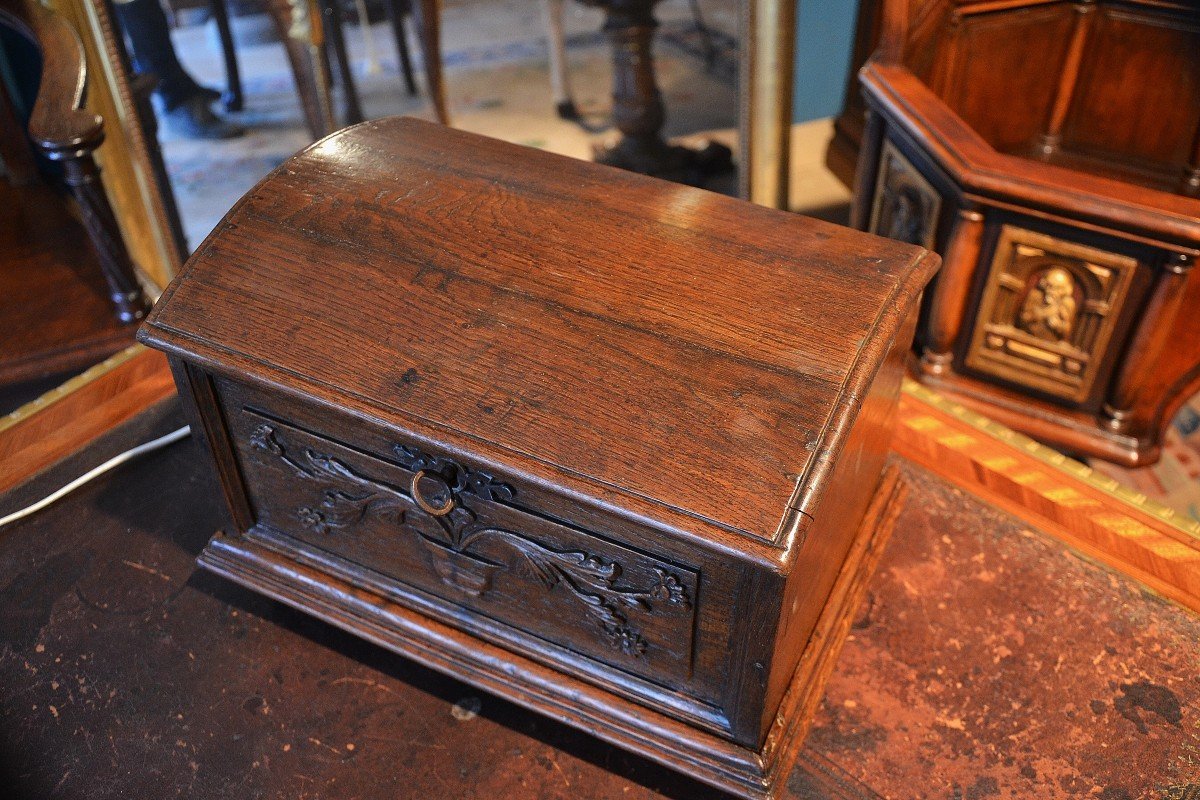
(396, 212)
(1151, 543)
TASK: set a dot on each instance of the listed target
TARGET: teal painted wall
(824, 41)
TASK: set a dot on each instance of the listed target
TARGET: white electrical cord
(112, 463)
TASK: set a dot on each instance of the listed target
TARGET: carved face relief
(1048, 312)
(905, 206)
(1049, 308)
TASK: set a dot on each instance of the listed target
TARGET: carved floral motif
(670, 589)
(594, 581)
(462, 480)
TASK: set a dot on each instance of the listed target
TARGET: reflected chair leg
(233, 99)
(331, 12)
(427, 17)
(307, 62)
(396, 11)
(560, 85)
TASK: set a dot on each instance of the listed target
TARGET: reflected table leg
(638, 110)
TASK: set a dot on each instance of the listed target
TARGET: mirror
(500, 76)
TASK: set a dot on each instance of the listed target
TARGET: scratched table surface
(987, 661)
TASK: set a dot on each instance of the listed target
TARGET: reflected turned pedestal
(638, 110)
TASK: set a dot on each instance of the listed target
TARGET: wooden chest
(609, 447)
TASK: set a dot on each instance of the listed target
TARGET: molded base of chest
(745, 772)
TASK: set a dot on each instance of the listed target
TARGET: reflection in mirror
(71, 282)
(537, 72)
(1068, 223)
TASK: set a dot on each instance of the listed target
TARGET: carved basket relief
(905, 206)
(473, 542)
(1048, 312)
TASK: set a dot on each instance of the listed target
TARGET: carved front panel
(905, 206)
(1048, 312)
(455, 532)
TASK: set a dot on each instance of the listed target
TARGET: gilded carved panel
(905, 206)
(1048, 312)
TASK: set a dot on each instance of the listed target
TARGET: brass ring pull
(425, 505)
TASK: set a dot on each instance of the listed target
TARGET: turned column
(638, 111)
(83, 177)
(949, 303)
(66, 133)
(866, 173)
(1068, 79)
(1146, 345)
(637, 103)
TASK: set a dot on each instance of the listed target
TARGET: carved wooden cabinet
(1050, 151)
(610, 447)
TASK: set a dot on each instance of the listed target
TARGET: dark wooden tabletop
(988, 661)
